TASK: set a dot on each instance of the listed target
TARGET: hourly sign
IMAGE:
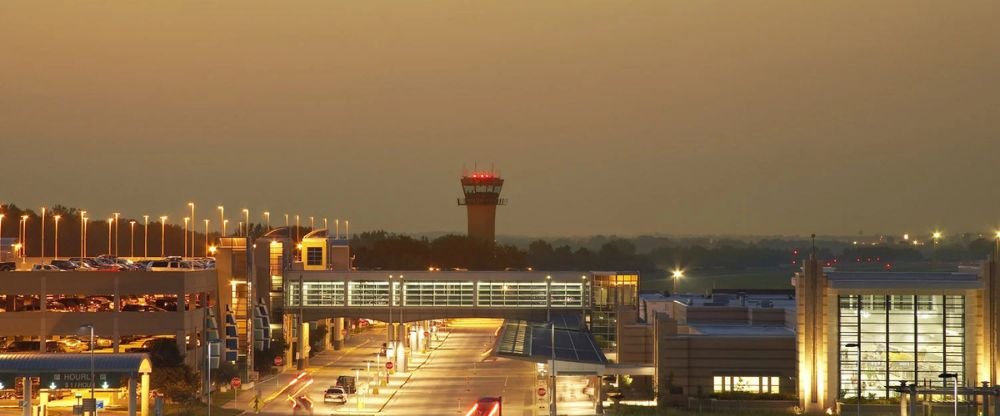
(80, 380)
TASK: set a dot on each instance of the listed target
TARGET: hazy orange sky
(662, 116)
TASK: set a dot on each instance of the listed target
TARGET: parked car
(94, 264)
(8, 266)
(167, 304)
(335, 394)
(167, 266)
(141, 308)
(347, 382)
(33, 346)
(73, 345)
(64, 264)
(45, 268)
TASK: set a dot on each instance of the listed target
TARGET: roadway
(446, 381)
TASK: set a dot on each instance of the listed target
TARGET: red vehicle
(487, 406)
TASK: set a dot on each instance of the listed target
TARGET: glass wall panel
(513, 294)
(368, 293)
(901, 337)
(438, 293)
(567, 295)
(323, 293)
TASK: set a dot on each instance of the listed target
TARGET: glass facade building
(901, 337)
(611, 291)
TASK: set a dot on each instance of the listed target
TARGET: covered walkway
(58, 374)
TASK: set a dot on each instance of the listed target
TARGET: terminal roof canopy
(532, 341)
(37, 363)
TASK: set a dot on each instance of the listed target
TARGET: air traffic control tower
(482, 195)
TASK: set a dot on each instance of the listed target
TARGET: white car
(45, 268)
(169, 266)
(335, 394)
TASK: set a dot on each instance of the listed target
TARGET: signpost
(236, 383)
(388, 369)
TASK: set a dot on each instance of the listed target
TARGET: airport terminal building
(910, 327)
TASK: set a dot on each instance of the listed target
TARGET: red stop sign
(541, 392)
(278, 360)
(235, 382)
(388, 365)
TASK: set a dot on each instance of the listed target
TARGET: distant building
(482, 196)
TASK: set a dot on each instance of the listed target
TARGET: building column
(327, 344)
(304, 344)
(338, 333)
(144, 398)
(43, 402)
(401, 361)
(598, 400)
(132, 394)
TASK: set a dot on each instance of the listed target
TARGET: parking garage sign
(80, 380)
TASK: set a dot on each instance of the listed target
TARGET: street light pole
(163, 236)
(131, 239)
(56, 218)
(206, 236)
(222, 221)
(93, 381)
(110, 223)
(83, 234)
(193, 226)
(677, 275)
(85, 219)
(186, 220)
(145, 236)
(118, 232)
(43, 234)
(552, 350)
(858, 346)
(246, 213)
(24, 238)
(267, 219)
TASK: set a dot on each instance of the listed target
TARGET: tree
(170, 376)
(317, 339)
(263, 361)
(225, 373)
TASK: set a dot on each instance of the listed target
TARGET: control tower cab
(482, 196)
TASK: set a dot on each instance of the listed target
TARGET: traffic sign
(100, 405)
(388, 365)
(278, 361)
(541, 392)
(235, 382)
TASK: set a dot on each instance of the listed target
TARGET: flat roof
(532, 341)
(904, 280)
(38, 363)
(742, 330)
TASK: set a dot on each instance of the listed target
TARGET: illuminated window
(314, 256)
(755, 385)
(902, 337)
